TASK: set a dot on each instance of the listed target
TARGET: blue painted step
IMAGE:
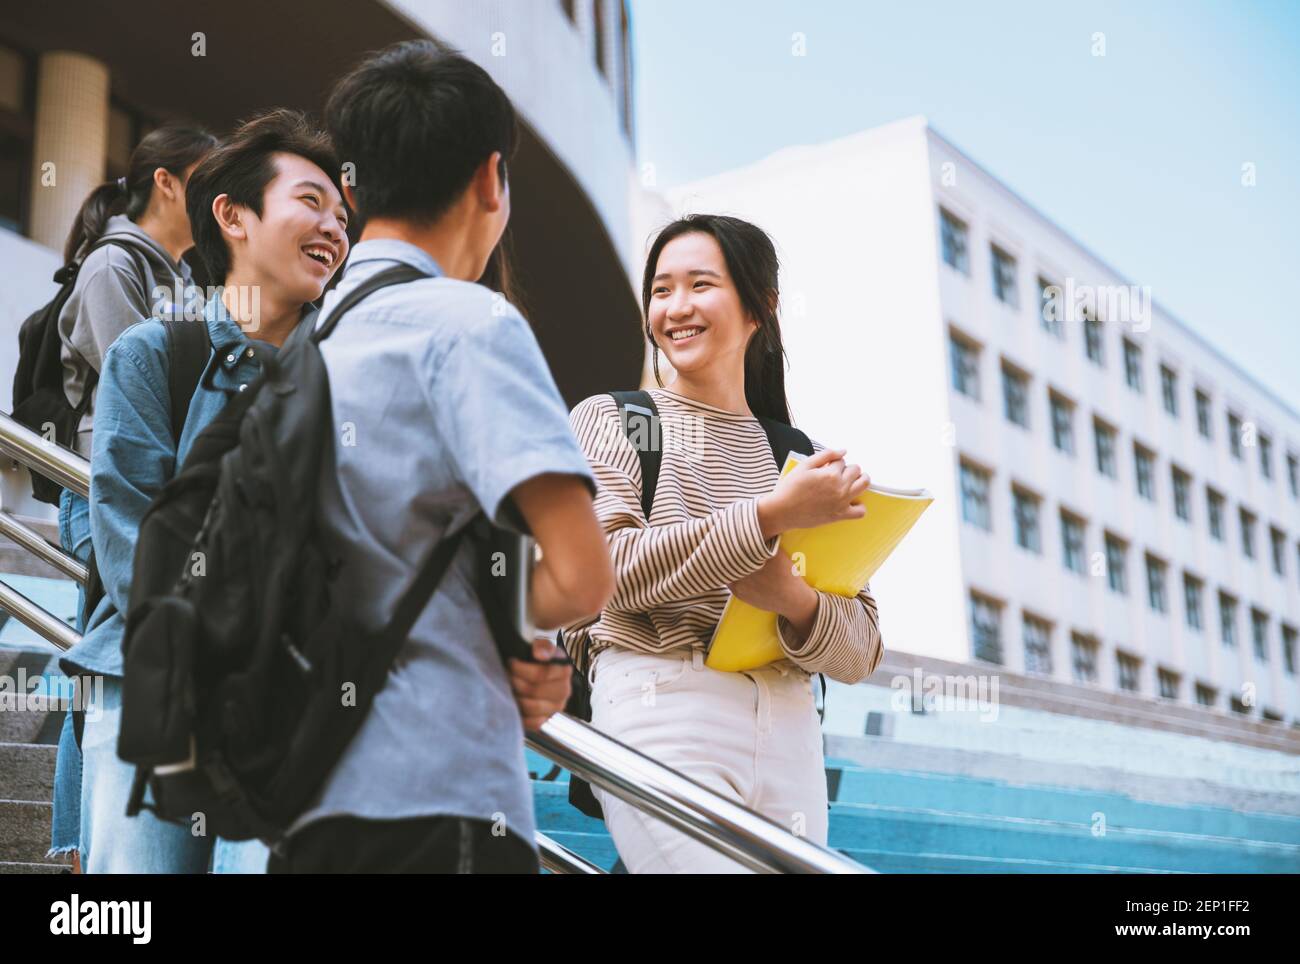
(942, 791)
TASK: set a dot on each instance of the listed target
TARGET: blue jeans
(112, 842)
(240, 857)
(74, 535)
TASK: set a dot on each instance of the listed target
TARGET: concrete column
(72, 135)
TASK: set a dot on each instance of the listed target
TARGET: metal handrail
(43, 623)
(628, 774)
(51, 460)
(28, 538)
(660, 791)
(561, 860)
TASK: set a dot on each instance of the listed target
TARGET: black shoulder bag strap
(640, 420)
(396, 275)
(188, 351)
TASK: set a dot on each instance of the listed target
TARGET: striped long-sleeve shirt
(672, 575)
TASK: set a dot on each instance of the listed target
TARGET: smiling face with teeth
(300, 239)
(695, 312)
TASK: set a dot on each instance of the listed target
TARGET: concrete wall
(547, 65)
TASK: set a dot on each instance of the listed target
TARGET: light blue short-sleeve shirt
(442, 403)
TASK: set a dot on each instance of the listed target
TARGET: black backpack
(246, 673)
(39, 401)
(783, 440)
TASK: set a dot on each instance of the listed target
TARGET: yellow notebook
(837, 558)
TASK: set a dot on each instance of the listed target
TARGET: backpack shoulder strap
(396, 275)
(644, 435)
(188, 350)
(784, 439)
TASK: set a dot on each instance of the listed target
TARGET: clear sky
(1138, 153)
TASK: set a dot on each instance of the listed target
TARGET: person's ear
(167, 185)
(349, 196)
(488, 185)
(229, 218)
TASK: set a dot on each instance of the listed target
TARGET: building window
(1051, 308)
(1015, 395)
(986, 628)
(965, 356)
(1083, 658)
(1265, 456)
(568, 9)
(1170, 683)
(953, 236)
(1247, 533)
(1093, 344)
(1026, 509)
(1072, 528)
(1278, 539)
(1182, 494)
(1293, 475)
(1117, 564)
(1238, 706)
(1259, 634)
(1214, 503)
(1004, 278)
(1288, 648)
(975, 496)
(1129, 667)
(1062, 422)
(1144, 462)
(1132, 365)
(1192, 593)
(1157, 594)
(1206, 695)
(1169, 389)
(1038, 645)
(1234, 436)
(1104, 439)
(1203, 414)
(1227, 619)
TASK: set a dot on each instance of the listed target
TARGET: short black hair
(242, 167)
(417, 119)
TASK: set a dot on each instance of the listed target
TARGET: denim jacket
(134, 455)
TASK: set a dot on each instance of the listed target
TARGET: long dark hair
(173, 148)
(753, 266)
(501, 273)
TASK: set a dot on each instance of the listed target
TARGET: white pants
(752, 737)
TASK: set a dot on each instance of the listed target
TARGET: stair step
(26, 725)
(27, 771)
(893, 862)
(942, 791)
(24, 830)
(17, 867)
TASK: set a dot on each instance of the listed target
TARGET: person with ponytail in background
(128, 239)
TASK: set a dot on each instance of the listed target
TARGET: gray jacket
(109, 297)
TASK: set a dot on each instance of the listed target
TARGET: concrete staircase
(28, 743)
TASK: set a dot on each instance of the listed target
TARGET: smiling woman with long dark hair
(710, 299)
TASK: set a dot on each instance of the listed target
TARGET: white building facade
(1117, 504)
